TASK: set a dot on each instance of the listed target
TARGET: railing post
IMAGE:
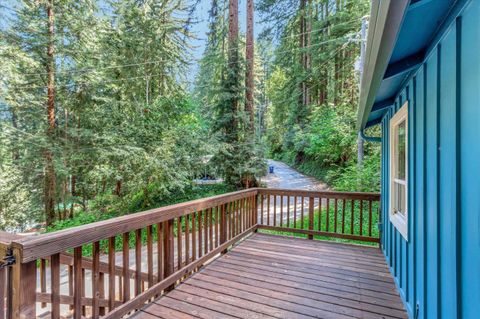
(223, 225)
(255, 211)
(311, 202)
(168, 250)
(24, 287)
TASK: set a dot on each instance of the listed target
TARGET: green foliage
(126, 132)
(311, 116)
(365, 178)
(221, 90)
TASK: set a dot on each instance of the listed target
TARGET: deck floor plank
(268, 276)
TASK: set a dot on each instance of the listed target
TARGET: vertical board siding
(431, 185)
(447, 175)
(469, 128)
(437, 268)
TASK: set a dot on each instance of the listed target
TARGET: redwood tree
(249, 79)
(49, 187)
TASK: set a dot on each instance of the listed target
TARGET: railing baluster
(111, 273)
(95, 280)
(261, 208)
(239, 217)
(179, 243)
(194, 236)
(288, 211)
(246, 217)
(55, 285)
(281, 210)
(70, 283)
(268, 209)
(200, 239)
(311, 202)
(352, 214)
(150, 255)
(126, 267)
(229, 209)
(295, 212)
(319, 213)
(361, 218)
(217, 222)
(223, 225)
(187, 239)
(251, 211)
(168, 250)
(101, 292)
(327, 215)
(302, 217)
(245, 214)
(370, 218)
(274, 210)
(77, 293)
(138, 262)
(160, 252)
(343, 216)
(205, 228)
(210, 228)
(43, 279)
(335, 216)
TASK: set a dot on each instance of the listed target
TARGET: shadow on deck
(267, 276)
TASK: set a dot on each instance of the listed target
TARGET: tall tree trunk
(249, 79)
(308, 41)
(232, 88)
(233, 59)
(301, 98)
(49, 187)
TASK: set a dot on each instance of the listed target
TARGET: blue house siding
(438, 268)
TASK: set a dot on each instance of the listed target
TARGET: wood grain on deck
(269, 276)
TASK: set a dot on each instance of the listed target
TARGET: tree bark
(308, 40)
(249, 79)
(49, 187)
(233, 48)
(301, 98)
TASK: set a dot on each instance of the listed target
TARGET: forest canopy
(99, 116)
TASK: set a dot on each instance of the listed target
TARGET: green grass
(320, 222)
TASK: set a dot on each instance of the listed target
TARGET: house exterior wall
(438, 268)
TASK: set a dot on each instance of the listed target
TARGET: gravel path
(286, 177)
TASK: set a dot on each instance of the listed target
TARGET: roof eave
(385, 21)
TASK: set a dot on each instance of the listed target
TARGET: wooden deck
(268, 276)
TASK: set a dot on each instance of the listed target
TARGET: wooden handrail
(44, 245)
(324, 194)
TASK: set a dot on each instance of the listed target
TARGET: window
(399, 170)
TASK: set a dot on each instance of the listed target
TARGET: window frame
(399, 220)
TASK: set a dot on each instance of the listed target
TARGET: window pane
(400, 204)
(401, 150)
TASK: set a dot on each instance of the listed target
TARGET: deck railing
(110, 268)
(347, 215)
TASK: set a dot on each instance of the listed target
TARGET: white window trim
(398, 220)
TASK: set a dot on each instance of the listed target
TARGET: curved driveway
(286, 177)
